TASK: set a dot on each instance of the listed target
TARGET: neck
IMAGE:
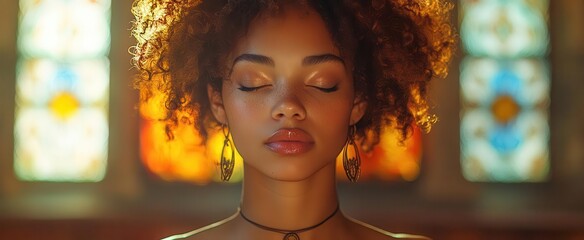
(289, 205)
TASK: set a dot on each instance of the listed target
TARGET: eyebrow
(313, 60)
(255, 58)
(307, 61)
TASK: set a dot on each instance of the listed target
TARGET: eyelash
(328, 90)
(251, 89)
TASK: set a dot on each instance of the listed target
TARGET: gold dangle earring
(227, 164)
(352, 164)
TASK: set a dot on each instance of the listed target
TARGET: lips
(289, 141)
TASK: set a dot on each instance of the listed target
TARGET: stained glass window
(184, 159)
(505, 80)
(62, 90)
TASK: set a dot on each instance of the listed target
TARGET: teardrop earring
(352, 164)
(227, 161)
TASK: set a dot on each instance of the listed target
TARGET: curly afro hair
(397, 47)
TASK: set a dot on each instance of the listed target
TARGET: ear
(359, 107)
(216, 103)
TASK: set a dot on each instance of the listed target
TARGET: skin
(288, 191)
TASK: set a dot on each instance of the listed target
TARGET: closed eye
(251, 89)
(327, 90)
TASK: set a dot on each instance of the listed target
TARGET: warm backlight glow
(184, 158)
(390, 160)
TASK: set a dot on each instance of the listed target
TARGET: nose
(290, 107)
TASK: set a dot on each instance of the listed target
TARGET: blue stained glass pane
(505, 138)
(65, 77)
(483, 79)
(492, 152)
(506, 82)
(504, 130)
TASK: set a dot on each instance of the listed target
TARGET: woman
(293, 83)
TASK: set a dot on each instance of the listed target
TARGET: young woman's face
(289, 100)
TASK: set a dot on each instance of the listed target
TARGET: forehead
(296, 30)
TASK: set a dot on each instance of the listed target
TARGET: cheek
(335, 108)
(241, 109)
(244, 115)
(333, 118)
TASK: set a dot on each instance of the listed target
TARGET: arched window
(62, 90)
(505, 86)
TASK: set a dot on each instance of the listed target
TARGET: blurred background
(81, 159)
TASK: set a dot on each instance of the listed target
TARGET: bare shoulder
(213, 231)
(367, 231)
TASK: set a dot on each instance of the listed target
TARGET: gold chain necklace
(288, 234)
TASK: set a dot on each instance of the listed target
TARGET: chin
(292, 172)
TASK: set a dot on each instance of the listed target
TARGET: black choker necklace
(289, 234)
